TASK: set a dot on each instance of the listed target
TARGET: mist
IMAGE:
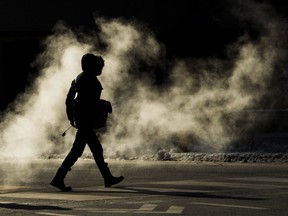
(201, 105)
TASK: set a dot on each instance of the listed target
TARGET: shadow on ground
(31, 207)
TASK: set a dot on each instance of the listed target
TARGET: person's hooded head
(92, 64)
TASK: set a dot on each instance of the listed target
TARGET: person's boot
(109, 179)
(60, 185)
(58, 181)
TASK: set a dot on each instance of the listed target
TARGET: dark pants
(85, 135)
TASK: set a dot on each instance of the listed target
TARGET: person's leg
(97, 151)
(75, 152)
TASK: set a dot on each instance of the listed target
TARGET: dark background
(186, 27)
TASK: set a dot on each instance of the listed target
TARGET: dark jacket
(88, 97)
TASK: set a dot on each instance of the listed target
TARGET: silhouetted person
(83, 118)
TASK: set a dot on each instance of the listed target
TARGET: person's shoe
(60, 185)
(113, 180)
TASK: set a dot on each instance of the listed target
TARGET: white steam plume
(202, 101)
(37, 115)
(206, 98)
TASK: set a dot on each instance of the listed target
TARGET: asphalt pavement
(149, 188)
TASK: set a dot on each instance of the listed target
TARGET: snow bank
(163, 155)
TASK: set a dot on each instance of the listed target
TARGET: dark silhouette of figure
(83, 118)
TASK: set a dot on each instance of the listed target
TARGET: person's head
(92, 64)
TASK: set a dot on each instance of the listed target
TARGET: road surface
(149, 188)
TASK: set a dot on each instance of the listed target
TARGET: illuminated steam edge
(144, 118)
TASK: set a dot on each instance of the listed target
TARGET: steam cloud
(202, 100)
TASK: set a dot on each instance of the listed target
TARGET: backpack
(70, 101)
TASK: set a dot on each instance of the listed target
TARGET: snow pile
(164, 155)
